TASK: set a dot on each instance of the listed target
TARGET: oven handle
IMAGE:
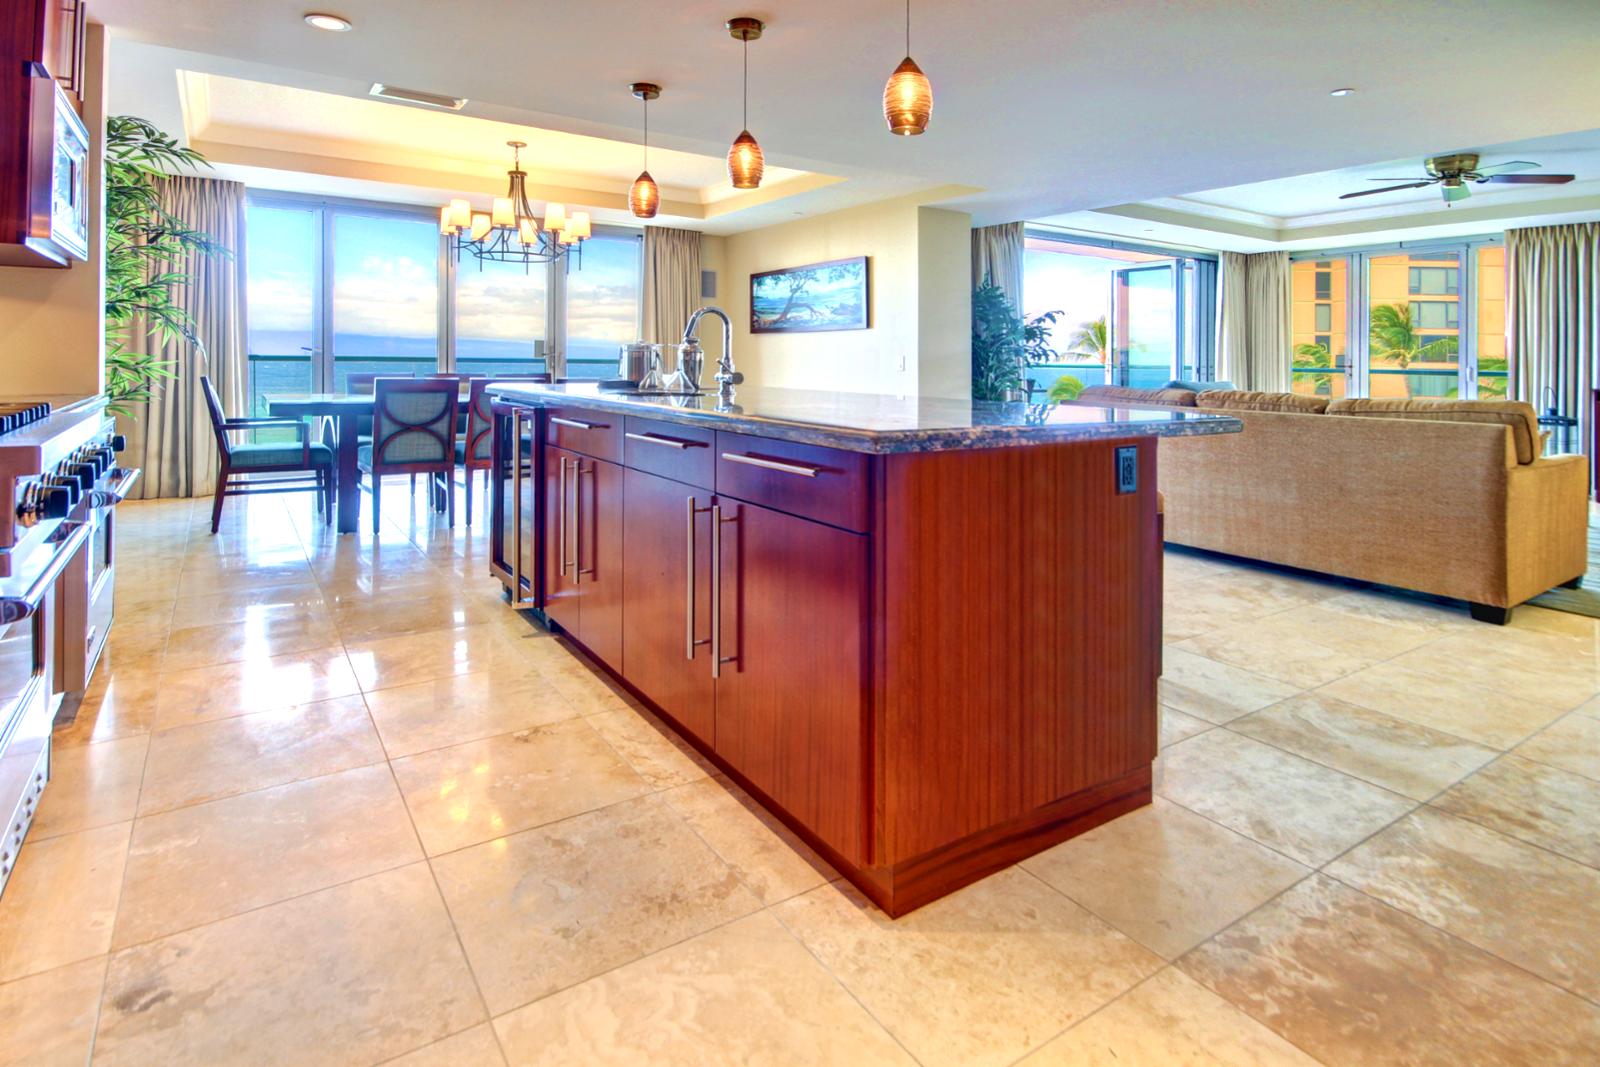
(16, 608)
(111, 497)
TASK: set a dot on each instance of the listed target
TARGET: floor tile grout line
(831, 973)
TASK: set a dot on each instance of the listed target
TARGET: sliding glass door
(384, 296)
(1144, 325)
(1401, 322)
(283, 275)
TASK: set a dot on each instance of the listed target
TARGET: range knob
(44, 502)
(118, 442)
(85, 473)
(67, 485)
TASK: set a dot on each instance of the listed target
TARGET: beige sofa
(1445, 497)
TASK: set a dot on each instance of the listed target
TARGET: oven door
(87, 589)
(27, 625)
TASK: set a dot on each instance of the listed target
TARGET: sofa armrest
(1547, 525)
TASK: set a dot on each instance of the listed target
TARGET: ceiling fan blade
(1508, 168)
(1452, 193)
(1405, 179)
(1387, 189)
(1531, 179)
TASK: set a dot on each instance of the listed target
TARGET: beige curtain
(997, 254)
(170, 436)
(1253, 336)
(1553, 318)
(671, 281)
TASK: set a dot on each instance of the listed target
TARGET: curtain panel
(170, 435)
(997, 254)
(1253, 324)
(1553, 318)
(671, 282)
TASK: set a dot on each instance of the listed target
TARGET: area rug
(1584, 600)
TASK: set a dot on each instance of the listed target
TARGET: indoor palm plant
(1004, 343)
(145, 249)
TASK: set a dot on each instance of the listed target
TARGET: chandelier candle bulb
(555, 217)
(444, 220)
(481, 225)
(503, 213)
(460, 214)
(528, 231)
(580, 225)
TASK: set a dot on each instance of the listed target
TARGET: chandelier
(510, 232)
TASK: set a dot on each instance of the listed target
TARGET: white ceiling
(1041, 107)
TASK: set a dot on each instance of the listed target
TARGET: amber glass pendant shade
(645, 196)
(745, 162)
(908, 100)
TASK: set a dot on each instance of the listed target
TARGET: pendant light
(908, 97)
(745, 162)
(645, 196)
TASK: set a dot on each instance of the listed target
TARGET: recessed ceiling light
(1347, 91)
(331, 23)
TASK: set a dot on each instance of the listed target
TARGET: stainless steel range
(57, 552)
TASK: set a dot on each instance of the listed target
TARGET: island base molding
(909, 884)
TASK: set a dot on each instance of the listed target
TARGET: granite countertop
(879, 423)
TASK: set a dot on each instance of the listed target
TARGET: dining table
(345, 411)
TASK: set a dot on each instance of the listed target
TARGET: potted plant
(145, 246)
(1004, 343)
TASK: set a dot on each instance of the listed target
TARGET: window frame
(1358, 303)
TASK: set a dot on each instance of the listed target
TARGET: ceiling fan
(1452, 173)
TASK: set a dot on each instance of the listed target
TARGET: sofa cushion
(1517, 414)
(1252, 400)
(1123, 394)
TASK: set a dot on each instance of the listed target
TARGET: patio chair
(238, 461)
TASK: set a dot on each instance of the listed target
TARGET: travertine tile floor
(331, 802)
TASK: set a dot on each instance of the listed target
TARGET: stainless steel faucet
(726, 377)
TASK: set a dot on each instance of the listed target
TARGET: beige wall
(919, 268)
(52, 321)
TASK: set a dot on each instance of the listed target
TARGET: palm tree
(1395, 338)
(1308, 357)
(1089, 341)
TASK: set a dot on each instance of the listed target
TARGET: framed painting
(811, 299)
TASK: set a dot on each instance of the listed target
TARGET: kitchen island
(924, 633)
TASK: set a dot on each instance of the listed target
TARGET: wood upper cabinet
(791, 700)
(665, 643)
(44, 146)
(583, 549)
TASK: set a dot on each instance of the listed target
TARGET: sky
(385, 288)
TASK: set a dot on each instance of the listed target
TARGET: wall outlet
(1127, 460)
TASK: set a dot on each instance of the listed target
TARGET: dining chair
(473, 450)
(413, 432)
(301, 456)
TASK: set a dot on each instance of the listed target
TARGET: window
(385, 295)
(337, 287)
(1434, 281)
(603, 301)
(1430, 322)
(1435, 314)
(1129, 315)
(1317, 321)
(501, 318)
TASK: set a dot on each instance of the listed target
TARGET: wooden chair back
(219, 421)
(414, 424)
(480, 422)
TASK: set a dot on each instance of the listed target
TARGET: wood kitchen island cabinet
(925, 634)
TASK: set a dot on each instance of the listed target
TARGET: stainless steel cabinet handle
(669, 442)
(561, 519)
(772, 464)
(578, 569)
(517, 597)
(576, 424)
(690, 642)
(717, 658)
